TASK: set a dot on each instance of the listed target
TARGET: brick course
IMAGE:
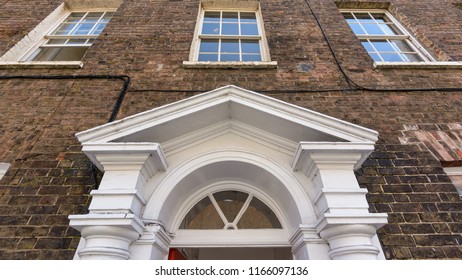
(50, 178)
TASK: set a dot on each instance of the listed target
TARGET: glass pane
(83, 29)
(373, 29)
(251, 57)
(229, 57)
(367, 46)
(99, 28)
(76, 42)
(202, 216)
(56, 41)
(212, 17)
(412, 57)
(208, 57)
(375, 57)
(383, 46)
(92, 17)
(230, 46)
(211, 28)
(364, 18)
(209, 46)
(230, 203)
(108, 15)
(381, 18)
(258, 215)
(401, 46)
(391, 57)
(357, 29)
(249, 29)
(349, 17)
(230, 17)
(60, 54)
(74, 17)
(250, 46)
(230, 29)
(248, 17)
(390, 29)
(64, 29)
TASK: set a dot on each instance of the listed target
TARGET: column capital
(145, 157)
(311, 157)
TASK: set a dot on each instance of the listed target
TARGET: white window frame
(229, 6)
(452, 172)
(406, 36)
(15, 57)
(3, 168)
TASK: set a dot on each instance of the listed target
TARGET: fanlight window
(230, 210)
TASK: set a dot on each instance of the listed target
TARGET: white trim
(226, 97)
(41, 64)
(231, 65)
(231, 238)
(453, 171)
(420, 65)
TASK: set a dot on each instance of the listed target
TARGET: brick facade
(148, 40)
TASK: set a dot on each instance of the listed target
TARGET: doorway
(233, 253)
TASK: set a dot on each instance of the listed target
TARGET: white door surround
(157, 164)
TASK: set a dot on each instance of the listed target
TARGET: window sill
(231, 65)
(41, 64)
(418, 65)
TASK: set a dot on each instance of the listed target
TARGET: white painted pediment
(228, 105)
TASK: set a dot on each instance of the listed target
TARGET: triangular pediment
(225, 105)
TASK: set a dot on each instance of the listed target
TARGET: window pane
(251, 57)
(357, 29)
(74, 17)
(391, 57)
(383, 46)
(230, 203)
(249, 29)
(229, 57)
(230, 46)
(258, 215)
(250, 46)
(76, 42)
(230, 29)
(390, 29)
(83, 29)
(60, 54)
(375, 57)
(211, 28)
(401, 46)
(367, 46)
(248, 17)
(209, 46)
(212, 17)
(373, 29)
(64, 29)
(99, 28)
(208, 57)
(92, 17)
(56, 41)
(364, 18)
(412, 57)
(202, 216)
(230, 17)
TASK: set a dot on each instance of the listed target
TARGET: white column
(113, 222)
(344, 220)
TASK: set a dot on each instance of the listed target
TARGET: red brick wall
(148, 40)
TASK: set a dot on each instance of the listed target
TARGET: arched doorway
(297, 162)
